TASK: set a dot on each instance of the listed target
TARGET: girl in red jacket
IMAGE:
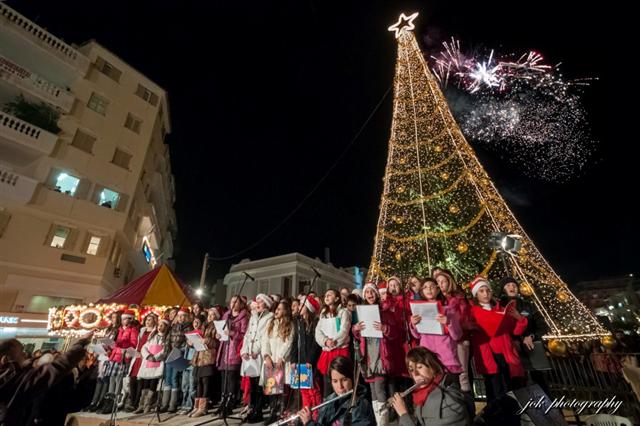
(494, 352)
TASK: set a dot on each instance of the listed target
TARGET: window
(66, 183)
(83, 141)
(98, 104)
(108, 198)
(147, 95)
(108, 69)
(94, 244)
(146, 250)
(60, 235)
(121, 158)
(133, 123)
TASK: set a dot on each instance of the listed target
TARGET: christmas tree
(440, 208)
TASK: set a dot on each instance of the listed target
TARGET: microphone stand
(299, 333)
(224, 416)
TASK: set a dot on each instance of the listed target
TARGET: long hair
(332, 309)
(453, 288)
(113, 328)
(285, 324)
(422, 355)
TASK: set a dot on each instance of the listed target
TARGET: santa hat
(184, 310)
(266, 299)
(312, 305)
(382, 287)
(477, 283)
(371, 286)
(128, 314)
(217, 310)
(275, 297)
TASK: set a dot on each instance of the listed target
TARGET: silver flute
(389, 402)
(296, 416)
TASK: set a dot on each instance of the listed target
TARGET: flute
(294, 417)
(389, 403)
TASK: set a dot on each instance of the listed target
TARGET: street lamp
(505, 243)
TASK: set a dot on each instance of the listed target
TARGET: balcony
(15, 79)
(37, 49)
(21, 142)
(16, 187)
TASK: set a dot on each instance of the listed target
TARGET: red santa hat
(477, 283)
(184, 310)
(266, 299)
(312, 305)
(217, 310)
(371, 286)
(382, 287)
(128, 314)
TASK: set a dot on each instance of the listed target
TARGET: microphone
(318, 274)
(249, 276)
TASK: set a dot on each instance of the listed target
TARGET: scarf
(420, 395)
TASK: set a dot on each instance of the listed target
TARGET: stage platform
(128, 419)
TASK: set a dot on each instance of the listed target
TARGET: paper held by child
(221, 330)
(196, 341)
(429, 311)
(369, 314)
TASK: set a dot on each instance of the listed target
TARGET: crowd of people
(155, 366)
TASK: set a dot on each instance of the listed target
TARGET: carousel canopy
(159, 286)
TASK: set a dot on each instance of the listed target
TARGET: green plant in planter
(41, 115)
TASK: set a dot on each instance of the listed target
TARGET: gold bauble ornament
(444, 175)
(608, 342)
(454, 209)
(438, 148)
(525, 289)
(398, 256)
(398, 219)
(400, 189)
(563, 295)
(402, 160)
(462, 247)
(557, 347)
(392, 248)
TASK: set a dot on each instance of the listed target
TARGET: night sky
(265, 96)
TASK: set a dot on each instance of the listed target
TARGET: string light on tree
(449, 206)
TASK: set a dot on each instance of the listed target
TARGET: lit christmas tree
(439, 207)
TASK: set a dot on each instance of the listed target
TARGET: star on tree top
(405, 23)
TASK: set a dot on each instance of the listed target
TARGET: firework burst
(523, 109)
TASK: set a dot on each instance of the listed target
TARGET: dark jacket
(445, 406)
(177, 337)
(361, 415)
(309, 348)
(536, 325)
(20, 385)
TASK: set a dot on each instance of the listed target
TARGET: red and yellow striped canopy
(159, 286)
